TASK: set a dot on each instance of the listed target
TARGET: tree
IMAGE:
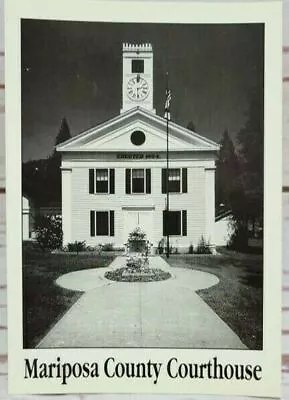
(247, 200)
(64, 132)
(54, 163)
(191, 126)
(251, 152)
(227, 174)
(41, 179)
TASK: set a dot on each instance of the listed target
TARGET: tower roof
(137, 47)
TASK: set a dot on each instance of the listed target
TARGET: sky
(74, 70)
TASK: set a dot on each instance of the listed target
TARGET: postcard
(144, 208)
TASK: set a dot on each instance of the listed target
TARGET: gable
(115, 135)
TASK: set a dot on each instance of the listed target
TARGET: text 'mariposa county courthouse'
(114, 175)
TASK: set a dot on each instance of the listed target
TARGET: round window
(137, 138)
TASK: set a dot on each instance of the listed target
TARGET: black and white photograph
(143, 203)
(116, 251)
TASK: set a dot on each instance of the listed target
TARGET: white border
(129, 11)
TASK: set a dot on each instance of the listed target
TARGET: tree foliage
(191, 126)
(227, 174)
(251, 151)
(48, 230)
(41, 179)
(240, 174)
(64, 132)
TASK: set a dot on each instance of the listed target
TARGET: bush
(107, 247)
(137, 235)
(203, 247)
(239, 237)
(191, 249)
(77, 246)
(161, 245)
(48, 232)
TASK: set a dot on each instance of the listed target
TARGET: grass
(44, 302)
(238, 297)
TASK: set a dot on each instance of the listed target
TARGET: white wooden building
(114, 175)
(25, 218)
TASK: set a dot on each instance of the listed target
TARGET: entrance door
(138, 218)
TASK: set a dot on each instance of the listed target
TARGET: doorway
(142, 218)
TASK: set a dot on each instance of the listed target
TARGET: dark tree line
(41, 179)
(240, 171)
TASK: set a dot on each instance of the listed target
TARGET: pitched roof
(114, 134)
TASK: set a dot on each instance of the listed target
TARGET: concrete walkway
(155, 314)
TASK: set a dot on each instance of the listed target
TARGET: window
(175, 223)
(177, 180)
(137, 138)
(174, 180)
(101, 180)
(137, 66)
(137, 181)
(102, 223)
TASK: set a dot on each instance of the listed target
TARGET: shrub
(161, 245)
(107, 247)
(203, 246)
(191, 249)
(77, 246)
(118, 248)
(48, 231)
(136, 235)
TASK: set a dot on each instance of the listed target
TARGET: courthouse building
(114, 175)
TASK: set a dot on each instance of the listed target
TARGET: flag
(168, 104)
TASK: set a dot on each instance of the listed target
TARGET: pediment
(115, 135)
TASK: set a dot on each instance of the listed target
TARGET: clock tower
(137, 76)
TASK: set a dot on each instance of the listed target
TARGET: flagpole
(167, 183)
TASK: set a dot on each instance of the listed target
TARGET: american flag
(168, 104)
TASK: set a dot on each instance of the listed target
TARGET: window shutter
(184, 180)
(92, 223)
(111, 223)
(164, 223)
(164, 180)
(148, 181)
(184, 222)
(111, 181)
(127, 181)
(91, 181)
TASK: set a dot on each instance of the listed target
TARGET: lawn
(44, 303)
(238, 297)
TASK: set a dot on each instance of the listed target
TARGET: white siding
(82, 202)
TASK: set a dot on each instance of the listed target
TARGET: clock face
(137, 88)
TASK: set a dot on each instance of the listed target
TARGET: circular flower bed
(126, 275)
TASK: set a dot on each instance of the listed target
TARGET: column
(66, 176)
(210, 204)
